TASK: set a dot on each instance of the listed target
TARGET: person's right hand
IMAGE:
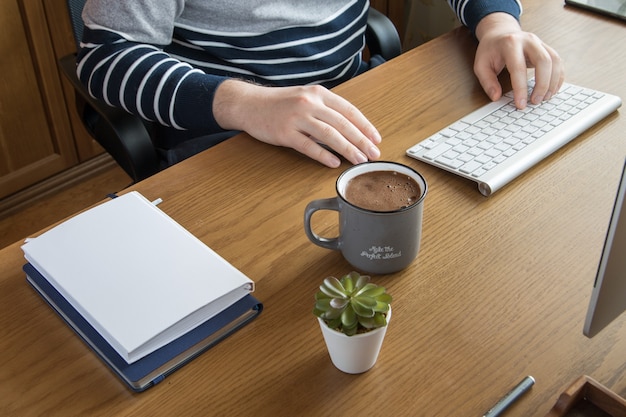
(301, 118)
(503, 44)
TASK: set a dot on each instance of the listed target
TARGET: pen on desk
(510, 397)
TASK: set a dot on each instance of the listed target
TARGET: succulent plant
(352, 304)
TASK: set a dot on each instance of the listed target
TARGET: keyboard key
(470, 167)
(451, 163)
(435, 152)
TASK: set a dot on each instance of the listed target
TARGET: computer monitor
(608, 299)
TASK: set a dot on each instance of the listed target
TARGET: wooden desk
(499, 289)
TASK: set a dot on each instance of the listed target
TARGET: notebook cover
(158, 263)
(154, 367)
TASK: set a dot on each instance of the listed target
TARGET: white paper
(136, 275)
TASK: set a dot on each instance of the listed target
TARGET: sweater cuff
(477, 10)
(193, 108)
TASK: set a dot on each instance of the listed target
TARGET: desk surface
(499, 290)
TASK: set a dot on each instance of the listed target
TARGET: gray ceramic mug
(376, 242)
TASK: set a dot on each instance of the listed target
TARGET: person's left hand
(503, 44)
(304, 118)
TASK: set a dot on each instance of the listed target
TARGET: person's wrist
(498, 22)
(229, 103)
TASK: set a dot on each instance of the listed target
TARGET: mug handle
(311, 208)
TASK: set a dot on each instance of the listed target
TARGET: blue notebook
(157, 263)
(154, 367)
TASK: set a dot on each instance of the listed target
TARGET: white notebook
(137, 276)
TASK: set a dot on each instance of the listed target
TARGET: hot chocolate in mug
(380, 206)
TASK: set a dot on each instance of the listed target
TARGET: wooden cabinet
(40, 135)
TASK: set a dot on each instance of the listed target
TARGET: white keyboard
(498, 142)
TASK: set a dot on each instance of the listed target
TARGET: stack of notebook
(138, 288)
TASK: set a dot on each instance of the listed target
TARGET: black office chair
(127, 138)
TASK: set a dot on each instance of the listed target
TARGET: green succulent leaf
(320, 296)
(374, 322)
(367, 322)
(323, 304)
(371, 290)
(332, 314)
(334, 323)
(339, 303)
(350, 330)
(380, 320)
(348, 283)
(333, 288)
(381, 307)
(384, 298)
(361, 309)
(349, 318)
(361, 281)
(367, 302)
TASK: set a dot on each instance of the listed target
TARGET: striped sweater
(164, 60)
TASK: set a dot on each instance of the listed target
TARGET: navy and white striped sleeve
(155, 61)
(470, 12)
(144, 80)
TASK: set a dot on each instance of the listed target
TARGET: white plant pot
(354, 354)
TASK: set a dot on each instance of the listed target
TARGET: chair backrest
(75, 8)
(123, 135)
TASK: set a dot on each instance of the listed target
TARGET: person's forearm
(149, 83)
